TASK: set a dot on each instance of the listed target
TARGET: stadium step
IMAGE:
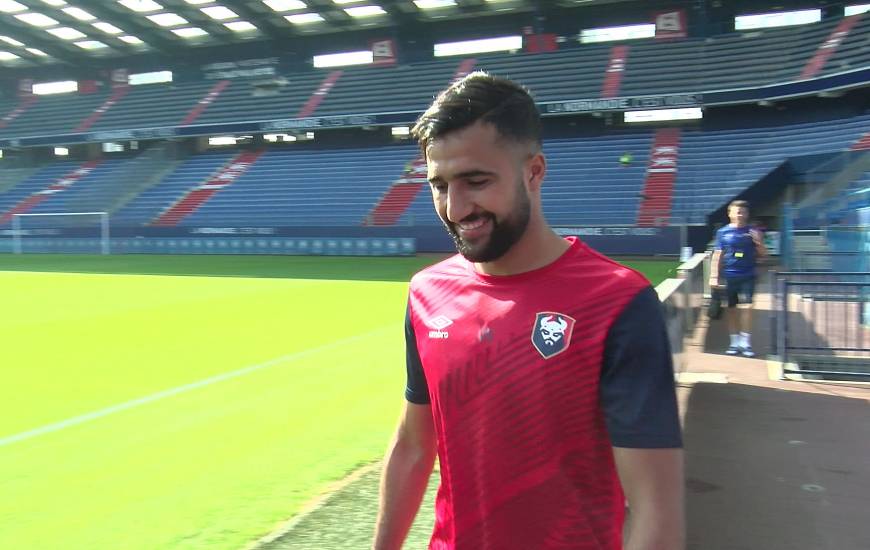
(198, 196)
(25, 104)
(207, 100)
(399, 196)
(57, 186)
(117, 95)
(319, 95)
(829, 46)
(661, 174)
(863, 144)
(614, 72)
(11, 177)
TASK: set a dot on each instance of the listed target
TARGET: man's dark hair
(738, 204)
(481, 97)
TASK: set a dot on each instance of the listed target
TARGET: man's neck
(539, 247)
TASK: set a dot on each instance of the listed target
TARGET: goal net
(61, 232)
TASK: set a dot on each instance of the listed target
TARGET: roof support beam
(142, 30)
(37, 38)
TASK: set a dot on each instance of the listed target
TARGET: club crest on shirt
(551, 334)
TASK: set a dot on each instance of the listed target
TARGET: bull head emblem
(552, 329)
(551, 333)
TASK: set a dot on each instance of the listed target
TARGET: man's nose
(458, 204)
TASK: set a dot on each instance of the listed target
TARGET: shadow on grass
(347, 520)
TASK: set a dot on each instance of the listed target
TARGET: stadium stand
(400, 195)
(578, 75)
(11, 177)
(130, 179)
(717, 165)
(362, 90)
(853, 51)
(286, 187)
(198, 196)
(151, 202)
(51, 114)
(16, 111)
(863, 143)
(828, 47)
(154, 106)
(615, 69)
(55, 188)
(661, 172)
(693, 65)
(31, 185)
(585, 185)
(116, 96)
(242, 101)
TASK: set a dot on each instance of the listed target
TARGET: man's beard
(503, 235)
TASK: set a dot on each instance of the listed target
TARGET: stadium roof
(45, 32)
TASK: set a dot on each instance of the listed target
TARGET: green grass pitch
(191, 402)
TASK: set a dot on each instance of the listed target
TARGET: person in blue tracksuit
(738, 248)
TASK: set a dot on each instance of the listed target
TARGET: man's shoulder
(598, 266)
(450, 268)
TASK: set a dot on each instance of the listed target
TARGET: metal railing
(833, 249)
(682, 300)
(814, 260)
(822, 324)
(695, 273)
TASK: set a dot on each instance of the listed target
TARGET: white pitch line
(94, 415)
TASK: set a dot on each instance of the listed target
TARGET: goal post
(102, 219)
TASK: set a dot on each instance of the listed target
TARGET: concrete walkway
(771, 464)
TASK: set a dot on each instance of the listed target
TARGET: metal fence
(816, 260)
(822, 324)
(833, 249)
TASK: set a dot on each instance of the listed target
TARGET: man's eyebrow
(463, 175)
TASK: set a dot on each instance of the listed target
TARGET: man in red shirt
(538, 370)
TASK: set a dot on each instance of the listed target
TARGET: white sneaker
(747, 351)
(732, 350)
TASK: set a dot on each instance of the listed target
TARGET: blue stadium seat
(151, 202)
(306, 187)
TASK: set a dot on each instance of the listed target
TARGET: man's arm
(715, 268)
(716, 260)
(652, 480)
(407, 467)
(758, 239)
(640, 407)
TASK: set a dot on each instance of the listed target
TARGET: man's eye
(477, 183)
(440, 187)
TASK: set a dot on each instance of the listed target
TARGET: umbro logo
(439, 324)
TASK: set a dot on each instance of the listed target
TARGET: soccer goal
(80, 232)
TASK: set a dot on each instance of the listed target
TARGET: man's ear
(536, 169)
